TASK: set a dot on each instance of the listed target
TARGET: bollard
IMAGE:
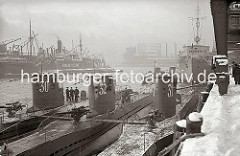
(223, 82)
(181, 126)
(194, 123)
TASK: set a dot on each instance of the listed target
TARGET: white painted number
(44, 87)
(102, 89)
(170, 90)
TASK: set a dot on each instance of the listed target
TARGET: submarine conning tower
(46, 92)
(165, 94)
(101, 96)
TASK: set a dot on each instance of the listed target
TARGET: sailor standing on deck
(236, 74)
(68, 95)
(234, 66)
(71, 94)
(76, 92)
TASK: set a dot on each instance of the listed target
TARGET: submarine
(91, 134)
(44, 103)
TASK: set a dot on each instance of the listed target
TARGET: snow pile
(182, 123)
(221, 116)
(195, 117)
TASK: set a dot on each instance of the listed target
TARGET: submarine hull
(110, 136)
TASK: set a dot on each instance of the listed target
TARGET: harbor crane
(3, 44)
(6, 42)
(23, 44)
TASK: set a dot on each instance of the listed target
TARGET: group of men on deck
(72, 95)
(236, 73)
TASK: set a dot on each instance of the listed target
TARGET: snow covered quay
(221, 125)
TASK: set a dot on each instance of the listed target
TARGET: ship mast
(80, 44)
(197, 38)
(30, 38)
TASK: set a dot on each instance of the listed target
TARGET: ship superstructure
(12, 60)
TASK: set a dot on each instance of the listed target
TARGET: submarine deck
(20, 116)
(54, 130)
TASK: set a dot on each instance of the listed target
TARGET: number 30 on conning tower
(44, 87)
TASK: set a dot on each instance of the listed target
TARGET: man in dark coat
(71, 94)
(234, 67)
(237, 74)
(67, 94)
(76, 92)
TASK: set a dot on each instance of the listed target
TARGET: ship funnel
(59, 46)
(101, 96)
(47, 93)
(165, 96)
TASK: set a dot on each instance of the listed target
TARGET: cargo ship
(30, 57)
(196, 58)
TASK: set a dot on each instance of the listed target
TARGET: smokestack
(166, 50)
(59, 46)
(160, 49)
(175, 44)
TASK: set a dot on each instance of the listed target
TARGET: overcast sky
(107, 26)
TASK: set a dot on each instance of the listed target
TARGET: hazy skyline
(107, 27)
